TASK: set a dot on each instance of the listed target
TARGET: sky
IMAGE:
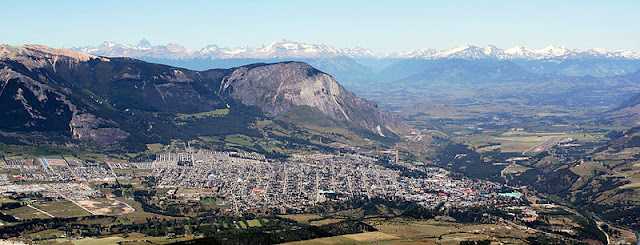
(385, 26)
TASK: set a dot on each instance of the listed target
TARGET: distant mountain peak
(144, 43)
(554, 51)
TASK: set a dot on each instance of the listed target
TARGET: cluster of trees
(458, 157)
(298, 233)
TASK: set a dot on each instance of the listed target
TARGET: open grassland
(588, 169)
(254, 223)
(239, 139)
(157, 147)
(45, 234)
(522, 141)
(98, 241)
(130, 239)
(512, 141)
(400, 231)
(431, 231)
(325, 221)
(24, 212)
(635, 185)
(242, 225)
(358, 238)
(139, 215)
(370, 236)
(515, 169)
(488, 148)
(588, 136)
(7, 200)
(215, 113)
(325, 241)
(62, 209)
(67, 209)
(106, 206)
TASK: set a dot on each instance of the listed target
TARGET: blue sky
(379, 25)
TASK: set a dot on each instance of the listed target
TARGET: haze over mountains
(426, 74)
(358, 64)
(287, 49)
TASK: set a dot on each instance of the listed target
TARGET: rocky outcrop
(277, 88)
(38, 56)
(33, 100)
(89, 127)
(30, 104)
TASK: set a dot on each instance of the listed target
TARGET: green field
(212, 202)
(588, 169)
(155, 147)
(240, 139)
(215, 113)
(25, 212)
(254, 223)
(7, 200)
(302, 218)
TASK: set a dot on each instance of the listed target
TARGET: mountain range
(65, 95)
(358, 64)
(287, 49)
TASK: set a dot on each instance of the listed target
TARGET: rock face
(28, 104)
(277, 88)
(34, 98)
(109, 99)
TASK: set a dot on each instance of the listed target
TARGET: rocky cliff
(277, 88)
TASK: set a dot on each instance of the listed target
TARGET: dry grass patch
(325, 221)
(371, 236)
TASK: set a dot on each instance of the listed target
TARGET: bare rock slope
(277, 88)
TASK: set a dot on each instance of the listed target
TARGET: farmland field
(302, 218)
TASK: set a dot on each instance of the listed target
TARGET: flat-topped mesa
(38, 56)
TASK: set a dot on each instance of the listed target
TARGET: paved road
(545, 145)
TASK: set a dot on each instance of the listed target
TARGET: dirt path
(41, 211)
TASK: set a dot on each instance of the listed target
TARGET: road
(599, 223)
(41, 211)
(125, 203)
(69, 199)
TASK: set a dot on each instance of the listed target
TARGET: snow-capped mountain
(142, 49)
(520, 52)
(414, 54)
(287, 49)
(275, 50)
(469, 52)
